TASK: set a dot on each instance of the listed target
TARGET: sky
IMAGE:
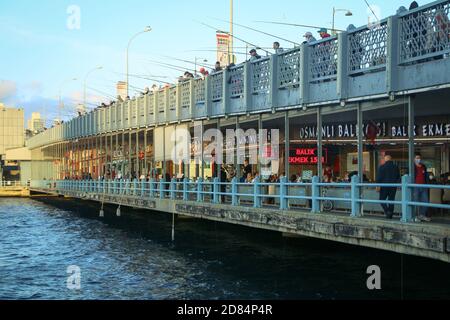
(46, 44)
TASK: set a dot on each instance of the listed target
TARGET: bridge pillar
(274, 81)
(342, 66)
(304, 73)
(392, 57)
(248, 91)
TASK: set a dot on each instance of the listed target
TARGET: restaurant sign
(383, 130)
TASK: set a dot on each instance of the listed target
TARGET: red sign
(306, 156)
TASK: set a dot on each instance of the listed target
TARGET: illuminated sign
(306, 156)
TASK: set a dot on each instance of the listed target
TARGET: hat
(202, 70)
(253, 50)
(308, 34)
(323, 30)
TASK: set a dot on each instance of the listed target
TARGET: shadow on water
(212, 260)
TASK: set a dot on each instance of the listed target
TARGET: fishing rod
(203, 64)
(146, 77)
(106, 95)
(241, 53)
(259, 31)
(211, 48)
(150, 79)
(233, 36)
(137, 75)
(373, 12)
(170, 66)
(294, 25)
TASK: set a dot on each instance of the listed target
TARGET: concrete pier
(14, 192)
(424, 240)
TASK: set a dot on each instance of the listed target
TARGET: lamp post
(60, 103)
(147, 29)
(195, 64)
(84, 85)
(230, 40)
(348, 13)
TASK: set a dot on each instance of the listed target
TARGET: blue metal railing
(353, 196)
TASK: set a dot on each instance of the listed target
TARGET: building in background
(224, 49)
(122, 89)
(12, 135)
(36, 124)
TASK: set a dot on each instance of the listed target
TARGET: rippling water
(132, 257)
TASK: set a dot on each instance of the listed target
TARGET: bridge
(324, 95)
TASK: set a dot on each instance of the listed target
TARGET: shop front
(384, 136)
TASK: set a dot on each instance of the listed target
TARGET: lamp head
(147, 29)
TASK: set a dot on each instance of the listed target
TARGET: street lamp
(196, 59)
(348, 13)
(147, 29)
(84, 85)
(60, 105)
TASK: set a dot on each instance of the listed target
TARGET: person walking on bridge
(388, 173)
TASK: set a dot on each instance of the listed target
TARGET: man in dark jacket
(388, 173)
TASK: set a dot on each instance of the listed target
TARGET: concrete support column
(359, 125)
(411, 133)
(287, 143)
(319, 144)
(260, 145)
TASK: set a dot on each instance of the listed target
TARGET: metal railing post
(173, 186)
(135, 186)
(152, 188)
(283, 194)
(257, 193)
(216, 189)
(315, 207)
(161, 188)
(185, 189)
(234, 192)
(200, 190)
(407, 212)
(355, 196)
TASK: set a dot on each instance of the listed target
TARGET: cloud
(8, 89)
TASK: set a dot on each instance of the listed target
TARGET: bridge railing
(353, 198)
(402, 53)
(424, 32)
(6, 184)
